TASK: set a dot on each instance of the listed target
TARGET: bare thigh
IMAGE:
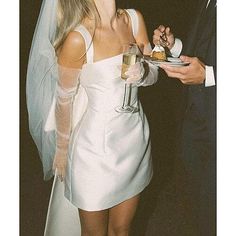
(121, 216)
(93, 223)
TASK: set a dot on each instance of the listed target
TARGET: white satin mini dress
(110, 152)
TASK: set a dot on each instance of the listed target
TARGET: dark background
(160, 212)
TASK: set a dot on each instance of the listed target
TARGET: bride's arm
(148, 73)
(70, 61)
(142, 36)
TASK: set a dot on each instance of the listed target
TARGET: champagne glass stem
(124, 98)
(127, 94)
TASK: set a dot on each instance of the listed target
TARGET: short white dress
(110, 152)
(110, 159)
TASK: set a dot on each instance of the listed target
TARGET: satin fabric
(110, 159)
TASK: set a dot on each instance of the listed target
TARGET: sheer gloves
(135, 73)
(142, 74)
(68, 81)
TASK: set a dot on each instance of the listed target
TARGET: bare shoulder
(73, 50)
(126, 15)
(122, 13)
(140, 17)
(142, 35)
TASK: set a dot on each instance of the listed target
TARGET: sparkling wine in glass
(130, 57)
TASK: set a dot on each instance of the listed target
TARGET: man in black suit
(197, 139)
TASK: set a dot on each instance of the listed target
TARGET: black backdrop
(160, 103)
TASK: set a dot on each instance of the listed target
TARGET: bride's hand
(59, 165)
(135, 73)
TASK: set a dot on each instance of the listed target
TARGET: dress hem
(126, 197)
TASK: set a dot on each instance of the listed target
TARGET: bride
(101, 158)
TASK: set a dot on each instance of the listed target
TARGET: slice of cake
(158, 53)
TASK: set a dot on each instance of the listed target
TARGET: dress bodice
(103, 84)
(102, 79)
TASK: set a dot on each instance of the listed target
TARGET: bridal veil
(42, 75)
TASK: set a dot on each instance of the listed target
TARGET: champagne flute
(130, 57)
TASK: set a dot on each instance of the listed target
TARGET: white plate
(170, 63)
(174, 59)
(175, 62)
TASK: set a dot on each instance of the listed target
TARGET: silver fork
(164, 42)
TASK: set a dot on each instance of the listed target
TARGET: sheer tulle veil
(41, 83)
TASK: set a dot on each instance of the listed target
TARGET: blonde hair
(70, 13)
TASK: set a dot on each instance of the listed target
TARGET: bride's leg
(121, 216)
(93, 223)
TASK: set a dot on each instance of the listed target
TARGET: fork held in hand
(164, 41)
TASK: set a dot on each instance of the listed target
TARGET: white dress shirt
(209, 77)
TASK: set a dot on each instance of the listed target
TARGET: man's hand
(194, 73)
(164, 37)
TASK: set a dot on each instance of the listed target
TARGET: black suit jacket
(201, 43)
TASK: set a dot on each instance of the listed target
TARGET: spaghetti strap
(134, 21)
(88, 42)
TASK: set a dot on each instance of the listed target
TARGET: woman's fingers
(135, 73)
(59, 166)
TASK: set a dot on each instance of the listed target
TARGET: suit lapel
(206, 30)
(194, 31)
(200, 38)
